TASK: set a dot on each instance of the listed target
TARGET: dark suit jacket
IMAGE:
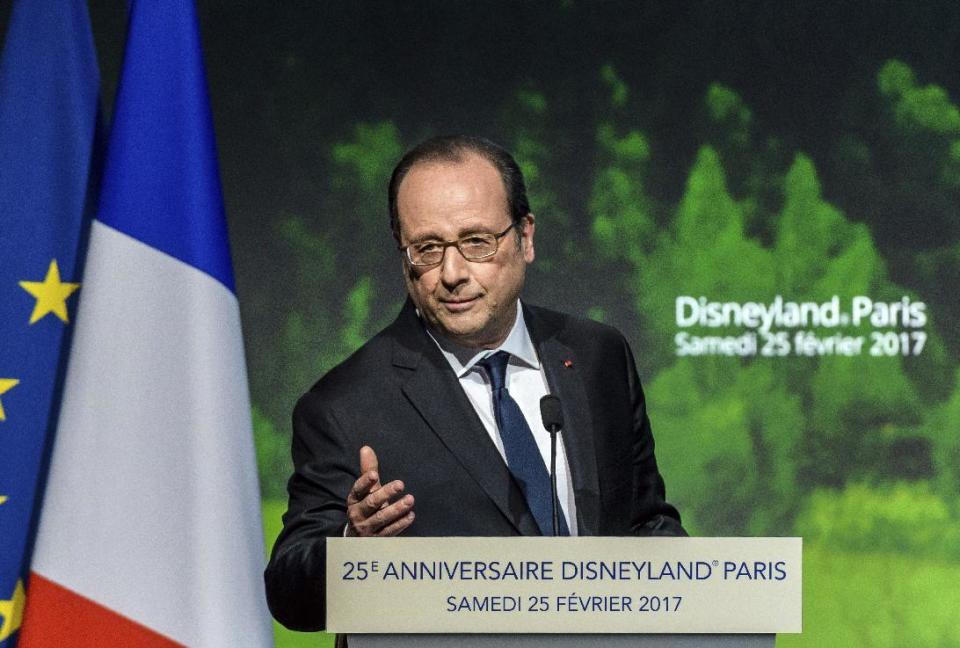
(399, 395)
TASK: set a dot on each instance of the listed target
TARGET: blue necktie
(523, 456)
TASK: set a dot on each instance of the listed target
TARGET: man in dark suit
(433, 427)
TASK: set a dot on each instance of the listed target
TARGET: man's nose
(453, 268)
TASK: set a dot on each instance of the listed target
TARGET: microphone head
(551, 412)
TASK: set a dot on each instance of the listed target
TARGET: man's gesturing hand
(375, 510)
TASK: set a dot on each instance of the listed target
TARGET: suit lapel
(561, 367)
(432, 388)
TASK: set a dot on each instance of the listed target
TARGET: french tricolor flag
(150, 530)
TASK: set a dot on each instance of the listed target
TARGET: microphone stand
(552, 415)
(553, 429)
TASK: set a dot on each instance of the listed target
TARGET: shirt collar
(518, 344)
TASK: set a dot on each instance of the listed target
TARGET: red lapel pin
(568, 364)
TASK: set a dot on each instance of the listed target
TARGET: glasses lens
(426, 254)
(478, 246)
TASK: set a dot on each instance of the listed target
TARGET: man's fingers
(369, 508)
(368, 460)
(378, 499)
(386, 517)
(397, 527)
(364, 485)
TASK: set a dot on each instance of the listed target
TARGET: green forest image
(857, 453)
(763, 197)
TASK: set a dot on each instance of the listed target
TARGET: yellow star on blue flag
(6, 384)
(12, 611)
(51, 294)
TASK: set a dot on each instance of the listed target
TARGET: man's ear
(526, 237)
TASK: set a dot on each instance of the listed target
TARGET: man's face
(472, 303)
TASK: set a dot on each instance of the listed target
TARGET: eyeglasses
(473, 247)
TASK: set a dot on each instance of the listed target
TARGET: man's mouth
(459, 304)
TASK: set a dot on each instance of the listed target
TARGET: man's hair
(454, 148)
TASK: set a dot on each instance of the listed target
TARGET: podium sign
(583, 585)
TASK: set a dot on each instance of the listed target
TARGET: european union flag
(49, 87)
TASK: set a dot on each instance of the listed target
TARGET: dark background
(290, 79)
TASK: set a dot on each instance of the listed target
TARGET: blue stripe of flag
(161, 183)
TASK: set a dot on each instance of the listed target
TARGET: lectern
(559, 592)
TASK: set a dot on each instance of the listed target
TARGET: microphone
(552, 415)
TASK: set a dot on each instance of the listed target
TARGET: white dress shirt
(527, 384)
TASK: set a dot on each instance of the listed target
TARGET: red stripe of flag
(56, 616)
